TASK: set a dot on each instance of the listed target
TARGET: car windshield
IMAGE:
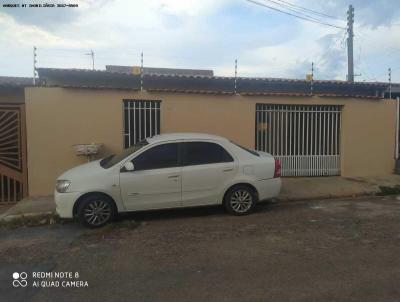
(248, 150)
(113, 159)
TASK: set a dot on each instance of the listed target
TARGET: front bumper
(65, 203)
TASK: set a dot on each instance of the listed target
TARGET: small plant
(385, 190)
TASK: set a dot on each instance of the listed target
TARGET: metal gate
(306, 138)
(13, 177)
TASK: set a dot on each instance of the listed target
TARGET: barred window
(141, 120)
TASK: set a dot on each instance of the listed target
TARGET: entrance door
(306, 138)
(13, 176)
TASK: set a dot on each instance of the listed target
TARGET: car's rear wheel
(96, 211)
(240, 200)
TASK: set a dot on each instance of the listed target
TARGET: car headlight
(62, 185)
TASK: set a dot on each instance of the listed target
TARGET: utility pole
(390, 82)
(91, 53)
(235, 76)
(350, 35)
(34, 65)
(312, 78)
(141, 71)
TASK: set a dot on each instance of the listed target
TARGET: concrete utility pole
(34, 65)
(350, 63)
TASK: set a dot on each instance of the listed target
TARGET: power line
(294, 15)
(297, 11)
(310, 10)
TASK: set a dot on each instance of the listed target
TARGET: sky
(205, 34)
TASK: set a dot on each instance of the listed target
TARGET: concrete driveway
(332, 250)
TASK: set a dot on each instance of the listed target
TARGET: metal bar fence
(306, 138)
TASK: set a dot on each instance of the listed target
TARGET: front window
(116, 158)
(158, 157)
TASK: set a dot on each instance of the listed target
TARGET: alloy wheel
(241, 201)
(97, 212)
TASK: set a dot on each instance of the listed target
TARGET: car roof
(184, 136)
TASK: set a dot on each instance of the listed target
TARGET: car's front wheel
(96, 210)
(240, 200)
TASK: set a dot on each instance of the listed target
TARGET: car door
(207, 168)
(155, 182)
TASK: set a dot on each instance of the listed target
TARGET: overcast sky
(207, 34)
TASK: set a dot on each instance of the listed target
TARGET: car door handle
(173, 176)
(228, 169)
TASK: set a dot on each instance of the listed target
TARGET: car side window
(158, 157)
(201, 153)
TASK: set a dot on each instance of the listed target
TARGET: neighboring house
(318, 128)
(13, 168)
(395, 91)
(12, 89)
(163, 71)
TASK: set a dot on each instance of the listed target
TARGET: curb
(327, 196)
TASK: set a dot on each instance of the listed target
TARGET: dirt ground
(324, 250)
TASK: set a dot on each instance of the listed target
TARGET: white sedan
(168, 171)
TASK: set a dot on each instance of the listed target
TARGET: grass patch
(384, 190)
(30, 221)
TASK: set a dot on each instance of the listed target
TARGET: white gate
(306, 138)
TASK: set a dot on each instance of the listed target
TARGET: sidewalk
(29, 208)
(300, 188)
(304, 188)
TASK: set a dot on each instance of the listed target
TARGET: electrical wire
(310, 10)
(297, 11)
(294, 15)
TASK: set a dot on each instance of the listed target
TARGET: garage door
(306, 138)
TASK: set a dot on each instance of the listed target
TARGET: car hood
(82, 171)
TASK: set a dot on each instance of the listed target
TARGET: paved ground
(333, 250)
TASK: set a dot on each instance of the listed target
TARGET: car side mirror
(129, 166)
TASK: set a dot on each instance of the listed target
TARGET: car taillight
(277, 172)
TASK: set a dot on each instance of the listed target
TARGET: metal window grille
(141, 120)
(306, 138)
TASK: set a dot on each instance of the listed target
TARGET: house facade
(322, 128)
